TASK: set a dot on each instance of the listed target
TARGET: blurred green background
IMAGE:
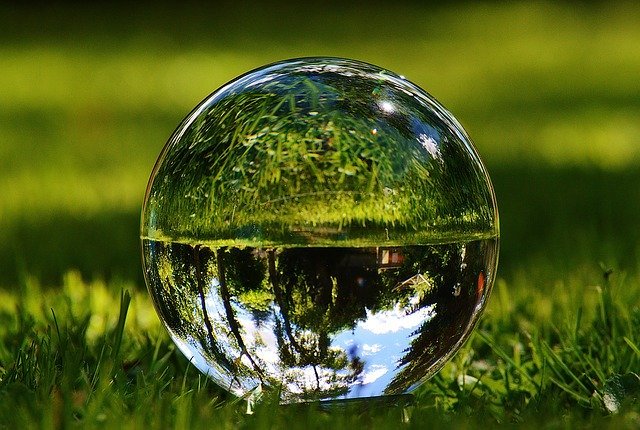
(550, 93)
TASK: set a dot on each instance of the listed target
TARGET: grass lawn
(549, 92)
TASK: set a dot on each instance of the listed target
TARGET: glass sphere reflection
(322, 226)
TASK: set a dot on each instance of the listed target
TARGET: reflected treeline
(461, 276)
(319, 323)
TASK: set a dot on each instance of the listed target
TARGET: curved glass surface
(323, 226)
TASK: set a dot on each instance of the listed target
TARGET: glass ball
(321, 227)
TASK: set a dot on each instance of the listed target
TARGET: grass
(549, 92)
(295, 154)
(559, 355)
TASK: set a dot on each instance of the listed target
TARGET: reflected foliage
(320, 323)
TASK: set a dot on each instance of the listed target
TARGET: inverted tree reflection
(320, 322)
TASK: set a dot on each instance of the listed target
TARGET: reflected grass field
(548, 92)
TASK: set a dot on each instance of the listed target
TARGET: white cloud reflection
(396, 319)
(371, 349)
(386, 106)
(373, 373)
(430, 144)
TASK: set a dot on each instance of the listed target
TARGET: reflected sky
(321, 323)
(379, 341)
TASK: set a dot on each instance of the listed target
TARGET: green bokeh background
(550, 93)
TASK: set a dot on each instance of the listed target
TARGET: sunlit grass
(76, 298)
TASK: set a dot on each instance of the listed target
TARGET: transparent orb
(322, 227)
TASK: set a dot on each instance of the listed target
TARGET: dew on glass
(322, 227)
